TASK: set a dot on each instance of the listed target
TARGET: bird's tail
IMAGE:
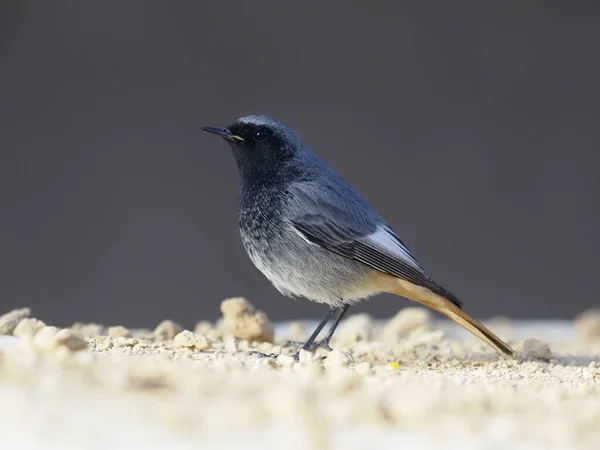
(449, 309)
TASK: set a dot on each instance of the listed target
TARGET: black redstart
(313, 236)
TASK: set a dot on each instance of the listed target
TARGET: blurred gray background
(472, 129)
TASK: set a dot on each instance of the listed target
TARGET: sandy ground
(410, 382)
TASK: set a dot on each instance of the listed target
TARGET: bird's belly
(298, 268)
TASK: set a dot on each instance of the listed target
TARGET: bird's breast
(260, 212)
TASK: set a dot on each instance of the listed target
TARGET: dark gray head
(261, 144)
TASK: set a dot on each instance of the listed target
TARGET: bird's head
(260, 143)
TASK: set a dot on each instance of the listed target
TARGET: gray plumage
(304, 227)
(312, 235)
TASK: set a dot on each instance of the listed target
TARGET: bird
(313, 236)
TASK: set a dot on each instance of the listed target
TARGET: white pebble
(286, 360)
(242, 321)
(44, 339)
(407, 320)
(338, 358)
(184, 339)
(71, 340)
(10, 320)
(356, 328)
(119, 331)
(166, 330)
(28, 328)
(231, 346)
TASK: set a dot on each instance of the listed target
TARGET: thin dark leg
(315, 333)
(324, 343)
(310, 344)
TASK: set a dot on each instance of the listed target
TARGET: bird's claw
(324, 344)
(263, 355)
(296, 355)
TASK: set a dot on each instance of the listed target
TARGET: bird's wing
(356, 232)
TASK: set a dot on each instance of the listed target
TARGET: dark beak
(224, 133)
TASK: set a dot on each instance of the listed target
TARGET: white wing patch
(299, 233)
(386, 240)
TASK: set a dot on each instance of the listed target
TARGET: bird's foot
(324, 344)
(263, 355)
(296, 355)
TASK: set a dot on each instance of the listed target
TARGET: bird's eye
(260, 135)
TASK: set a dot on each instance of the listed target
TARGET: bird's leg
(310, 341)
(324, 343)
(315, 333)
(310, 344)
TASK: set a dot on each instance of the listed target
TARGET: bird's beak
(224, 133)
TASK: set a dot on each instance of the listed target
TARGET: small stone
(187, 339)
(267, 363)
(242, 321)
(587, 325)
(166, 330)
(89, 330)
(356, 328)
(44, 339)
(28, 328)
(244, 346)
(71, 340)
(214, 335)
(267, 347)
(536, 349)
(7, 327)
(408, 320)
(286, 360)
(21, 313)
(337, 358)
(202, 343)
(129, 342)
(10, 320)
(122, 342)
(430, 337)
(231, 346)
(203, 327)
(119, 332)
